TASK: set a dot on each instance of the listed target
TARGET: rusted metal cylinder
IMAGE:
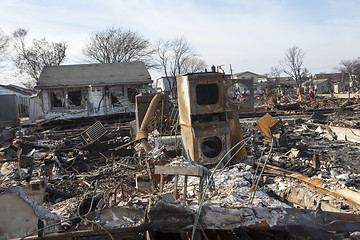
(142, 134)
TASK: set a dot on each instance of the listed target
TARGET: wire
(49, 226)
(211, 180)
(237, 151)
(262, 171)
(84, 216)
(81, 217)
(66, 220)
(257, 167)
(162, 118)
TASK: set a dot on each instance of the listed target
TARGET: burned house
(340, 81)
(14, 102)
(318, 85)
(85, 90)
(258, 80)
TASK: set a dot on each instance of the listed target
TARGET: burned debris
(186, 169)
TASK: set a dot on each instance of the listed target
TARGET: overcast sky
(250, 35)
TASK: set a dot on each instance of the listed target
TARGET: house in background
(282, 82)
(162, 85)
(14, 102)
(323, 85)
(340, 81)
(334, 77)
(340, 87)
(86, 90)
(318, 85)
(281, 85)
(259, 80)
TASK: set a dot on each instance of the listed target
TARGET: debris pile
(96, 180)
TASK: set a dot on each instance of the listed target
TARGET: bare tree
(351, 68)
(115, 45)
(292, 64)
(176, 57)
(32, 59)
(346, 66)
(275, 72)
(4, 46)
(194, 65)
(305, 74)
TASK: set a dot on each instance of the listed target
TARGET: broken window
(75, 97)
(58, 98)
(116, 93)
(132, 92)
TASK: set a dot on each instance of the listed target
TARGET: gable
(246, 74)
(331, 76)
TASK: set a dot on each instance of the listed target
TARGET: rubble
(94, 180)
(22, 216)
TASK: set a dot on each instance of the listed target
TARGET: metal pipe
(142, 134)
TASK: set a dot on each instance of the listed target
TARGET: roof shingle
(94, 74)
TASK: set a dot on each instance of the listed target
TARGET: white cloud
(250, 35)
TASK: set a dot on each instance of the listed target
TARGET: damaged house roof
(335, 77)
(94, 74)
(16, 89)
(317, 81)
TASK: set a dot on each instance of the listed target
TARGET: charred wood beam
(352, 196)
(118, 233)
(177, 219)
(327, 221)
(281, 113)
